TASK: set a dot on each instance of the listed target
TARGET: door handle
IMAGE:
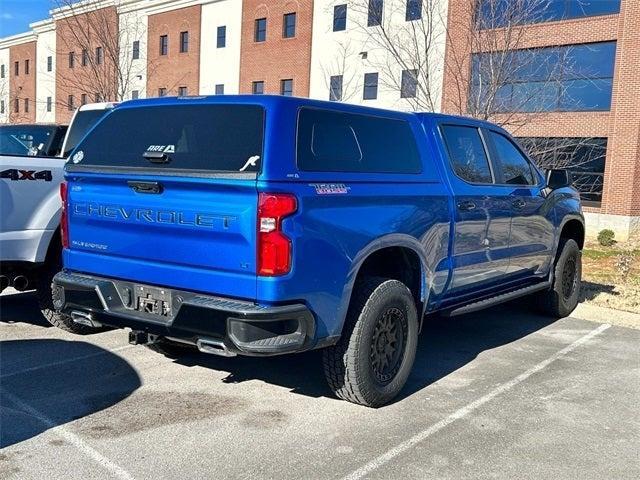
(145, 187)
(466, 206)
(519, 204)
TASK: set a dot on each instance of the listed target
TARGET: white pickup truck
(32, 159)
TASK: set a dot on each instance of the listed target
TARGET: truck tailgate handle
(145, 187)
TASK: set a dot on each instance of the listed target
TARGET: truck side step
(498, 299)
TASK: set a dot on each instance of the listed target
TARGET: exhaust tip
(20, 283)
(84, 318)
(214, 346)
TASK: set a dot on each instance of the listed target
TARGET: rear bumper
(244, 327)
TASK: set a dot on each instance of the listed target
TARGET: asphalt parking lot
(499, 394)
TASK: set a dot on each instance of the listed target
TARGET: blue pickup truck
(263, 225)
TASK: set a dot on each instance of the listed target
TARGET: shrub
(606, 237)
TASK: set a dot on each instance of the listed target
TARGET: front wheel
(562, 298)
(372, 361)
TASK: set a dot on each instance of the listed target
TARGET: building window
(72, 59)
(49, 103)
(221, 39)
(286, 87)
(289, 25)
(584, 158)
(84, 59)
(16, 105)
(70, 103)
(567, 78)
(2, 71)
(260, 34)
(1, 106)
(26, 67)
(414, 10)
(49, 64)
(182, 91)
(184, 42)
(135, 94)
(409, 84)
(495, 14)
(98, 97)
(83, 99)
(257, 88)
(16, 68)
(26, 105)
(162, 92)
(99, 55)
(335, 88)
(370, 86)
(164, 44)
(220, 89)
(375, 13)
(136, 49)
(339, 18)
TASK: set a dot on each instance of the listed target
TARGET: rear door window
(467, 154)
(516, 169)
(212, 138)
(330, 141)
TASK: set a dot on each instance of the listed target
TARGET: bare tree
(490, 71)
(395, 45)
(341, 66)
(99, 43)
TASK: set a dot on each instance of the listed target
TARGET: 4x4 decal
(14, 174)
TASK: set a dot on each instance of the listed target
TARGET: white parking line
(466, 410)
(70, 437)
(62, 362)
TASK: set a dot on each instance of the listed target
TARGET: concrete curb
(598, 314)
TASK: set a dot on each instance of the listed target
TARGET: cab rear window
(220, 138)
(331, 141)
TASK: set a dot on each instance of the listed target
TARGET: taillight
(274, 247)
(64, 217)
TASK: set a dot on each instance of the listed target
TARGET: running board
(498, 299)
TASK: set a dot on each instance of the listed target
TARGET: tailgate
(196, 234)
(163, 192)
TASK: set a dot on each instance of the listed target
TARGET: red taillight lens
(64, 217)
(274, 247)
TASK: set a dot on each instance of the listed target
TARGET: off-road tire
(562, 298)
(64, 322)
(349, 365)
(171, 349)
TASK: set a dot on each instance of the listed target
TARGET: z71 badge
(330, 188)
(14, 174)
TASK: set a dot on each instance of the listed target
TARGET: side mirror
(558, 178)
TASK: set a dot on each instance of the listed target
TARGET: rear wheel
(562, 298)
(372, 361)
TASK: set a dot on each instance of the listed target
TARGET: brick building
(173, 49)
(330, 49)
(19, 75)
(602, 103)
(276, 46)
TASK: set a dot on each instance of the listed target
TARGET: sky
(16, 15)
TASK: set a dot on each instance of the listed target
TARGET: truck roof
(273, 101)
